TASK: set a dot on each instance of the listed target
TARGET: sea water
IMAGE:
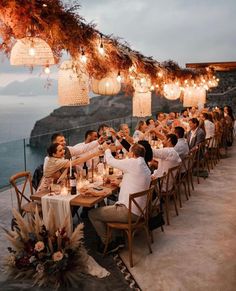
(18, 115)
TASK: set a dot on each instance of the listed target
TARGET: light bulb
(107, 84)
(47, 70)
(160, 74)
(152, 88)
(31, 51)
(118, 78)
(101, 49)
(143, 80)
(83, 58)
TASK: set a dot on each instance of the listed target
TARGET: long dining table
(87, 198)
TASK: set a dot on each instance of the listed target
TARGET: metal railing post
(24, 154)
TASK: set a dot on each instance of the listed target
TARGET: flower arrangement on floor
(48, 256)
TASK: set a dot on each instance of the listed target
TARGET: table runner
(61, 208)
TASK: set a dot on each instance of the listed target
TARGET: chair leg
(185, 189)
(148, 242)
(191, 180)
(130, 248)
(176, 209)
(179, 195)
(167, 209)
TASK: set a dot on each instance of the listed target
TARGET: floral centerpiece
(48, 256)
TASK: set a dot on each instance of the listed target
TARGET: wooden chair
(22, 184)
(183, 179)
(132, 226)
(155, 204)
(191, 165)
(169, 189)
(202, 159)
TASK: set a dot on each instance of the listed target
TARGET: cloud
(183, 30)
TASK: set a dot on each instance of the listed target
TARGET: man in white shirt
(167, 156)
(181, 147)
(136, 178)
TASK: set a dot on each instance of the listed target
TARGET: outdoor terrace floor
(196, 252)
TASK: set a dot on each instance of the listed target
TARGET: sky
(181, 30)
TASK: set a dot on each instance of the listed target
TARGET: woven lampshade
(194, 97)
(142, 85)
(73, 86)
(142, 104)
(172, 91)
(31, 51)
(106, 86)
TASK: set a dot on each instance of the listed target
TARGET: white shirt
(209, 128)
(182, 148)
(136, 178)
(192, 134)
(88, 162)
(138, 135)
(167, 158)
(81, 148)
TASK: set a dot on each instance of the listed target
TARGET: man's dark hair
(55, 135)
(148, 150)
(88, 132)
(148, 120)
(158, 113)
(101, 126)
(179, 131)
(52, 149)
(205, 115)
(173, 138)
(195, 121)
(138, 150)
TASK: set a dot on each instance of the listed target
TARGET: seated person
(56, 164)
(137, 177)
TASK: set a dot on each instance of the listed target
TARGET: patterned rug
(126, 273)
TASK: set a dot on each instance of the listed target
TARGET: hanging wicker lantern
(73, 85)
(194, 97)
(142, 85)
(172, 91)
(31, 51)
(142, 104)
(106, 86)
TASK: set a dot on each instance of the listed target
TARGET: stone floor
(196, 252)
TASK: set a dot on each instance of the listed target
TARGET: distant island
(30, 87)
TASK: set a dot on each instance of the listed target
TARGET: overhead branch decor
(64, 30)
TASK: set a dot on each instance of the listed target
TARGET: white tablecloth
(61, 208)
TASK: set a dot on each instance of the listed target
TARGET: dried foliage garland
(63, 29)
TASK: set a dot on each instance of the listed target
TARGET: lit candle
(70, 168)
(64, 191)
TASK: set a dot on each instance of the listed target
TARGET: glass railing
(28, 153)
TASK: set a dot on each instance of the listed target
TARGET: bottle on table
(85, 171)
(73, 183)
(100, 166)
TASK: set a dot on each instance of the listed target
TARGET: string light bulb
(83, 57)
(118, 78)
(101, 49)
(152, 88)
(47, 70)
(32, 51)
